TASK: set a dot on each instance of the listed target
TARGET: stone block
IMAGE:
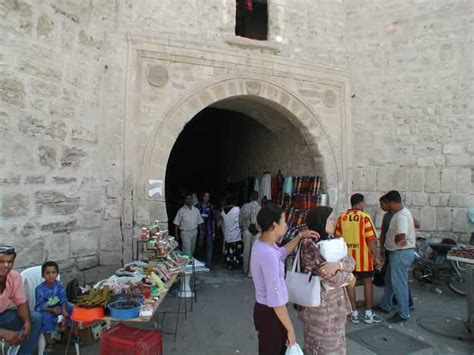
(461, 200)
(111, 235)
(364, 179)
(45, 26)
(99, 273)
(110, 258)
(72, 156)
(64, 179)
(57, 246)
(461, 160)
(426, 161)
(113, 189)
(15, 205)
(93, 199)
(401, 178)
(428, 218)
(90, 219)
(464, 180)
(460, 220)
(87, 262)
(417, 179)
(432, 180)
(420, 199)
(84, 243)
(47, 156)
(12, 91)
(59, 227)
(31, 127)
(439, 200)
(29, 253)
(384, 179)
(83, 134)
(10, 181)
(448, 180)
(454, 149)
(35, 180)
(44, 89)
(56, 202)
(444, 218)
(112, 209)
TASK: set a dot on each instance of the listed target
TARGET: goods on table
(124, 309)
(466, 252)
(97, 297)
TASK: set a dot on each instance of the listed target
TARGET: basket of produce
(90, 306)
(124, 309)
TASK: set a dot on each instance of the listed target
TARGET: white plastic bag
(294, 350)
(333, 250)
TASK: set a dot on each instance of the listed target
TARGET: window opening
(252, 19)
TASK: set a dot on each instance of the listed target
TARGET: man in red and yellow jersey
(358, 230)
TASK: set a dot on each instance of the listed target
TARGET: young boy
(51, 302)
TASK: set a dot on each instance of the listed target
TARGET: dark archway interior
(230, 141)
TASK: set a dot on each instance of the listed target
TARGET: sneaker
(396, 318)
(355, 319)
(372, 319)
(381, 310)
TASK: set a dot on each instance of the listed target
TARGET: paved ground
(221, 323)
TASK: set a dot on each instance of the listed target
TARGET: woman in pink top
(272, 322)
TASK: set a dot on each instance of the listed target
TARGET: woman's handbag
(304, 289)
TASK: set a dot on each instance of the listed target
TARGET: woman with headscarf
(324, 326)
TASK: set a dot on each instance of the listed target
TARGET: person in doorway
(207, 213)
(272, 321)
(357, 229)
(187, 221)
(248, 226)
(400, 243)
(233, 246)
(325, 326)
(383, 233)
(17, 326)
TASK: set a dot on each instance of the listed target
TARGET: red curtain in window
(247, 3)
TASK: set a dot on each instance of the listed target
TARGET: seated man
(17, 326)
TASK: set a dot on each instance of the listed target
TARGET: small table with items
(134, 294)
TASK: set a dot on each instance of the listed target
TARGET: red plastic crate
(124, 340)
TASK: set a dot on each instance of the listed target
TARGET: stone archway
(155, 156)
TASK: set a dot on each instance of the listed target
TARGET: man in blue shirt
(209, 230)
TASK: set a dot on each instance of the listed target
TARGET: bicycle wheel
(457, 284)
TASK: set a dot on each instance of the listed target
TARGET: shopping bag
(304, 289)
(294, 350)
(333, 250)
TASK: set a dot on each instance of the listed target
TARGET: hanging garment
(256, 186)
(266, 187)
(288, 185)
(274, 189)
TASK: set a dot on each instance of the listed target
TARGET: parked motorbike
(432, 266)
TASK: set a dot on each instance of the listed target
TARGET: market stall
(136, 291)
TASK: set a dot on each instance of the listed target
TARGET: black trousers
(272, 334)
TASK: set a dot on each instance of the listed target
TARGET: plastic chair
(32, 278)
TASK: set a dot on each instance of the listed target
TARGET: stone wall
(64, 92)
(63, 77)
(413, 79)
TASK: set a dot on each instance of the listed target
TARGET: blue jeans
(9, 320)
(208, 239)
(396, 281)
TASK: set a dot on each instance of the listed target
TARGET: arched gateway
(316, 114)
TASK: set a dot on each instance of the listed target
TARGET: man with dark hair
(400, 244)
(17, 326)
(186, 222)
(357, 229)
(248, 226)
(207, 213)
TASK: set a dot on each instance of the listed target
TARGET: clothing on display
(266, 187)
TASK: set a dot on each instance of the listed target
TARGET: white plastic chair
(32, 278)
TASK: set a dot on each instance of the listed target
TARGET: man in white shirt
(400, 244)
(248, 227)
(186, 222)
